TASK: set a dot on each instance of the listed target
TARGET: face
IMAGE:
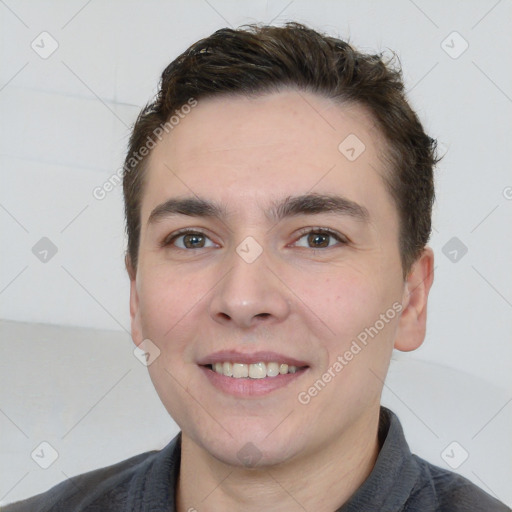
(265, 241)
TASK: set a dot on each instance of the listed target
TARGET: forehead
(234, 148)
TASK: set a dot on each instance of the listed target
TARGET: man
(278, 197)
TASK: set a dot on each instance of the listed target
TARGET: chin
(249, 448)
(252, 456)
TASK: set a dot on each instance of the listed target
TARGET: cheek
(344, 299)
(166, 301)
(349, 304)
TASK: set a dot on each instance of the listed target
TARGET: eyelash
(177, 234)
(323, 231)
(303, 232)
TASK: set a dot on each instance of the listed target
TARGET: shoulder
(453, 492)
(101, 489)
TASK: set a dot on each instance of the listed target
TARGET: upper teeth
(253, 371)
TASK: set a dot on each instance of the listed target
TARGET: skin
(305, 302)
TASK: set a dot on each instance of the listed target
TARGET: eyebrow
(311, 204)
(292, 206)
(191, 206)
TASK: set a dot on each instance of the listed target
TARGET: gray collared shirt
(147, 482)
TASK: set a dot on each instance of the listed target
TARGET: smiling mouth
(258, 370)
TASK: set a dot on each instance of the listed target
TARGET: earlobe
(413, 320)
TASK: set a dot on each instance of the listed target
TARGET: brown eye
(193, 241)
(190, 240)
(319, 239)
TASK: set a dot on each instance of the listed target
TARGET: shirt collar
(394, 475)
(388, 486)
(154, 486)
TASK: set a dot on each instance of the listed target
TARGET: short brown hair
(262, 59)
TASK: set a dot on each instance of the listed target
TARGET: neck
(323, 481)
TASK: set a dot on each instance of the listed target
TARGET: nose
(249, 294)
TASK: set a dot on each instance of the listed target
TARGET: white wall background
(65, 120)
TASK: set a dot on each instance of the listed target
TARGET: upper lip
(235, 356)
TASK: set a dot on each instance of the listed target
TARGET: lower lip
(247, 387)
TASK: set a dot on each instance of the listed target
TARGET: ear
(134, 303)
(413, 321)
